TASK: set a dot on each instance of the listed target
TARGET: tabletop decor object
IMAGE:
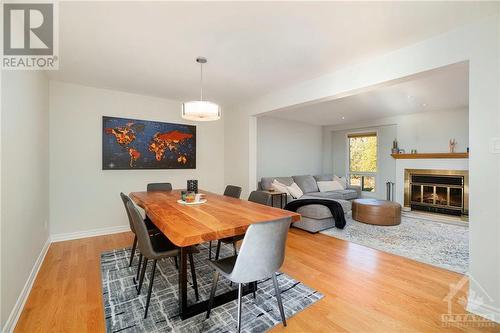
(190, 197)
(192, 185)
(196, 202)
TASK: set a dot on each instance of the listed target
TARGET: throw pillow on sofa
(279, 187)
(341, 180)
(295, 191)
(331, 185)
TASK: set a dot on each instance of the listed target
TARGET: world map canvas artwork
(142, 144)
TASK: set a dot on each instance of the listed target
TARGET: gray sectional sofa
(315, 217)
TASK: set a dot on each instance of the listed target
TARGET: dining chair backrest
(159, 187)
(141, 231)
(260, 197)
(232, 191)
(125, 199)
(262, 252)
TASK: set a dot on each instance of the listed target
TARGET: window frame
(363, 133)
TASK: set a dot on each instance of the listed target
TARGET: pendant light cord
(201, 81)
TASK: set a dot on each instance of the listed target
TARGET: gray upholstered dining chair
(233, 192)
(155, 247)
(262, 198)
(149, 225)
(159, 187)
(261, 256)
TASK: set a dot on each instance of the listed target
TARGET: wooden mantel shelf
(430, 155)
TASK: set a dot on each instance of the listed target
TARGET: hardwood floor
(365, 290)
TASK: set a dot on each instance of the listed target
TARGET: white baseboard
(88, 233)
(484, 310)
(11, 322)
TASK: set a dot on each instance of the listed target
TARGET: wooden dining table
(189, 225)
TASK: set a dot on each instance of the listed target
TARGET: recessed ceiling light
(343, 118)
(410, 96)
(424, 105)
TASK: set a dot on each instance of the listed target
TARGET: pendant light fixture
(201, 110)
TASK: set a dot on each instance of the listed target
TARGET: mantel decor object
(395, 149)
(452, 145)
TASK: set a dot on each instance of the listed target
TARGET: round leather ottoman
(378, 212)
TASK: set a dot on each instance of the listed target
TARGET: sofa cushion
(341, 180)
(317, 212)
(330, 185)
(314, 225)
(295, 191)
(266, 182)
(306, 183)
(279, 187)
(322, 178)
(355, 188)
(321, 212)
(347, 194)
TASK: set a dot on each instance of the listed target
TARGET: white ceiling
(253, 48)
(446, 88)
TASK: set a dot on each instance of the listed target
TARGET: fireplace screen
(434, 192)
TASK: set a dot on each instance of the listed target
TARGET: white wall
(429, 132)
(286, 147)
(25, 184)
(236, 142)
(84, 197)
(478, 43)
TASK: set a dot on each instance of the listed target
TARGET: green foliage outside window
(363, 161)
(363, 154)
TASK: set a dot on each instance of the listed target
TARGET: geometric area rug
(124, 310)
(439, 244)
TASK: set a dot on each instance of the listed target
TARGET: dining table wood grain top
(219, 217)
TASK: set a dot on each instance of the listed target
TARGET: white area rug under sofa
(435, 243)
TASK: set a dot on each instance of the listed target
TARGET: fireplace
(437, 191)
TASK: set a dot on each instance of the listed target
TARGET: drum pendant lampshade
(201, 110)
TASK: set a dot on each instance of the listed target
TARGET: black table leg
(183, 282)
(201, 307)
